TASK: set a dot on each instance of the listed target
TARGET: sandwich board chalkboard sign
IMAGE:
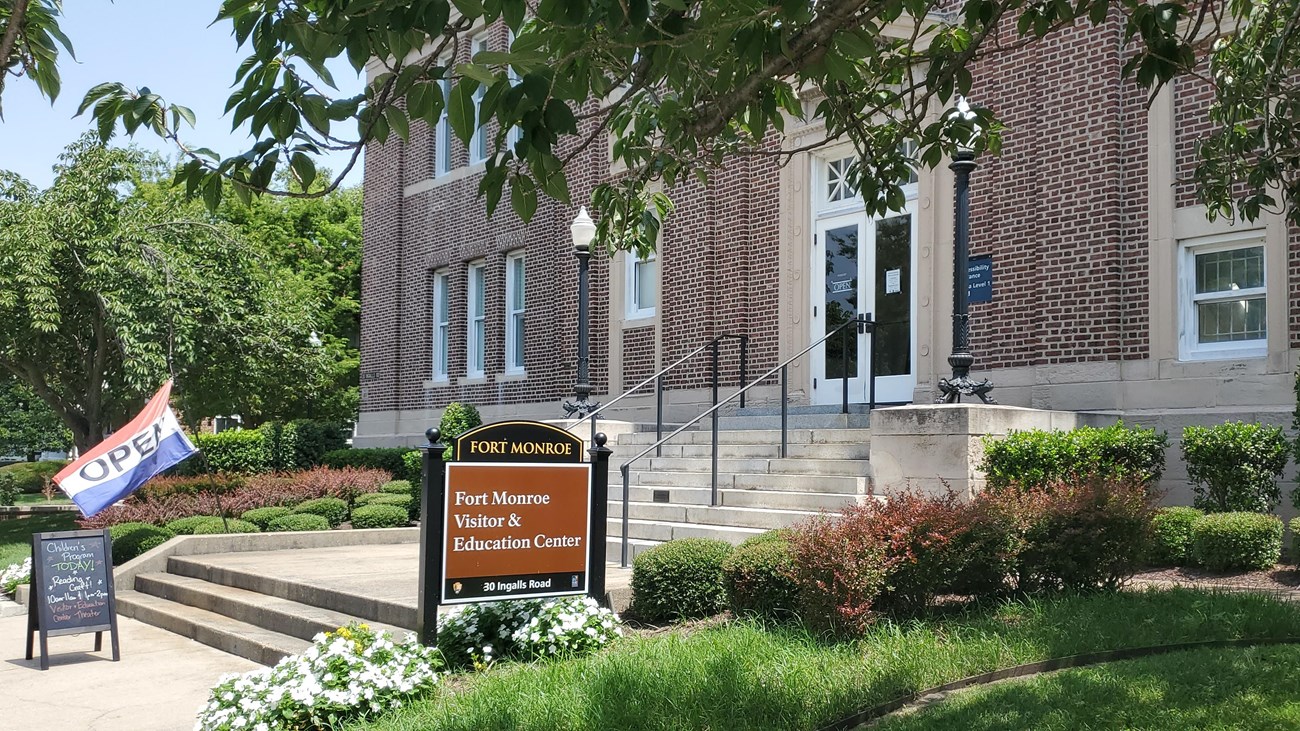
(72, 589)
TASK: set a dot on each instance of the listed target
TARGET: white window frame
(1190, 347)
(442, 130)
(516, 322)
(476, 324)
(515, 133)
(633, 308)
(478, 143)
(441, 324)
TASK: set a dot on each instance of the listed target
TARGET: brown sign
(515, 530)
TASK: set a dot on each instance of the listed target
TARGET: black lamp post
(583, 231)
(952, 389)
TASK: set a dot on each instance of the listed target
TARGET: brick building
(1111, 290)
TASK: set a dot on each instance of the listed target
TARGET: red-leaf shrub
(258, 491)
(1084, 535)
(840, 567)
(924, 546)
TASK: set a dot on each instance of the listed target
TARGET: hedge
(298, 522)
(262, 517)
(680, 579)
(331, 508)
(1036, 457)
(229, 525)
(380, 458)
(303, 443)
(1237, 541)
(379, 516)
(132, 539)
(1171, 535)
(1235, 466)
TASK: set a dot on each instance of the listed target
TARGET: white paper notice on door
(893, 281)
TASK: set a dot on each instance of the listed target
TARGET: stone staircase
(247, 612)
(826, 468)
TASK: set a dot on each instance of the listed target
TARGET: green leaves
(462, 109)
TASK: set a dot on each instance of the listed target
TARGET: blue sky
(163, 44)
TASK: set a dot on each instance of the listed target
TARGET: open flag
(115, 467)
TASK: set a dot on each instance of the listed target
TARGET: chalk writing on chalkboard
(72, 588)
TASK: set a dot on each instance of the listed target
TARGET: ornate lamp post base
(953, 389)
(580, 409)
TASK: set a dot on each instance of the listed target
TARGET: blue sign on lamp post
(979, 278)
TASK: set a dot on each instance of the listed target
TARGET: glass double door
(864, 266)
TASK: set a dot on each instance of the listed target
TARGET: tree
(27, 425)
(103, 294)
(30, 40)
(682, 85)
(314, 243)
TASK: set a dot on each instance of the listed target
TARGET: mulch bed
(1281, 580)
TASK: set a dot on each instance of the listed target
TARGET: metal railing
(862, 323)
(658, 380)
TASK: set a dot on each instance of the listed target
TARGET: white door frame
(829, 217)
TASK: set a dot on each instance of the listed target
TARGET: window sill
(436, 383)
(640, 320)
(512, 376)
(471, 380)
(1245, 353)
(438, 181)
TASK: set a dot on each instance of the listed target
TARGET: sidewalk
(159, 684)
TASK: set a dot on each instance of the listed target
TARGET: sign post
(519, 514)
(72, 589)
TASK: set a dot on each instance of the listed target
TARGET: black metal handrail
(659, 382)
(864, 325)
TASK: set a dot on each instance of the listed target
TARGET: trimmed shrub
(457, 419)
(298, 522)
(8, 489)
(262, 517)
(186, 526)
(32, 476)
(1237, 541)
(840, 567)
(132, 539)
(1036, 457)
(377, 458)
(229, 525)
(233, 451)
(1295, 541)
(332, 509)
(759, 578)
(1171, 535)
(680, 579)
(413, 461)
(1086, 536)
(302, 443)
(398, 487)
(1235, 466)
(379, 516)
(405, 502)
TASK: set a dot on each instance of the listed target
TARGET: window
(515, 133)
(1223, 297)
(476, 334)
(478, 144)
(442, 132)
(441, 324)
(642, 285)
(515, 313)
(838, 185)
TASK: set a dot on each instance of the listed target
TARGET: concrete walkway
(159, 684)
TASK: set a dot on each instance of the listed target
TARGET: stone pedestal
(925, 447)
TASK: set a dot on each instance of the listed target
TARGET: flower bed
(353, 673)
(14, 575)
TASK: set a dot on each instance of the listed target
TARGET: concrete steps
(211, 628)
(257, 617)
(825, 469)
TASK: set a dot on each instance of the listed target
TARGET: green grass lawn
(1246, 688)
(39, 499)
(740, 676)
(16, 533)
